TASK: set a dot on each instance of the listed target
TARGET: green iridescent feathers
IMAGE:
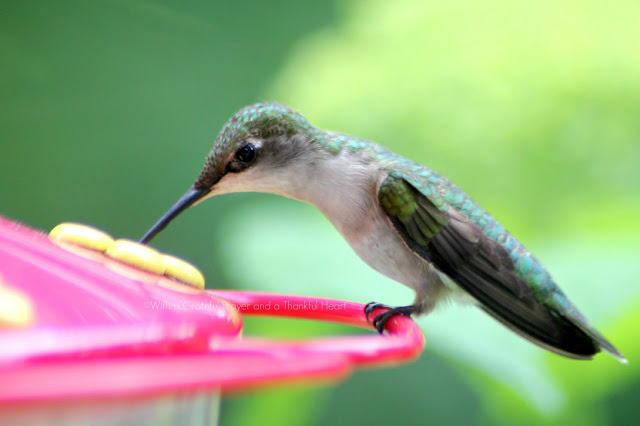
(445, 195)
(260, 120)
(459, 249)
(420, 217)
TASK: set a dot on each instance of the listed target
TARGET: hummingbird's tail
(598, 338)
(572, 338)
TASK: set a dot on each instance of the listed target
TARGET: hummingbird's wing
(483, 268)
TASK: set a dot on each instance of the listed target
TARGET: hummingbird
(403, 219)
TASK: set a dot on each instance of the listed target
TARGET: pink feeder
(83, 337)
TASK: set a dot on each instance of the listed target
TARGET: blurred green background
(108, 108)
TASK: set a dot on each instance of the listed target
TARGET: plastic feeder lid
(76, 323)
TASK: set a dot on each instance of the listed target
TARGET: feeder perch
(87, 334)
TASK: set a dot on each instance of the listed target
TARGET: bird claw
(372, 306)
(380, 320)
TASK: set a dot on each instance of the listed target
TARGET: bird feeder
(90, 331)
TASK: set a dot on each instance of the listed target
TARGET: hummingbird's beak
(186, 201)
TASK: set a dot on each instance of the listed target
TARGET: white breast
(348, 197)
(344, 188)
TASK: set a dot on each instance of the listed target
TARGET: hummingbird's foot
(371, 306)
(381, 320)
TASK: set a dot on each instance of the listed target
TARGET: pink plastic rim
(95, 335)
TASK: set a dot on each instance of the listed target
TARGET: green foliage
(538, 98)
(108, 109)
(532, 109)
(294, 253)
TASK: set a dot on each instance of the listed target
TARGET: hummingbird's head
(262, 148)
(257, 142)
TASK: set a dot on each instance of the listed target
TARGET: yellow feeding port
(130, 252)
(16, 309)
(82, 235)
(182, 271)
(137, 255)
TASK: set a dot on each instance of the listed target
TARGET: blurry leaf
(290, 248)
(289, 405)
(427, 391)
(531, 107)
(586, 382)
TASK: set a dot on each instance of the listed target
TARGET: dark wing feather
(482, 267)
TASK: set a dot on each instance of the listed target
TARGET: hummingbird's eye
(246, 153)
